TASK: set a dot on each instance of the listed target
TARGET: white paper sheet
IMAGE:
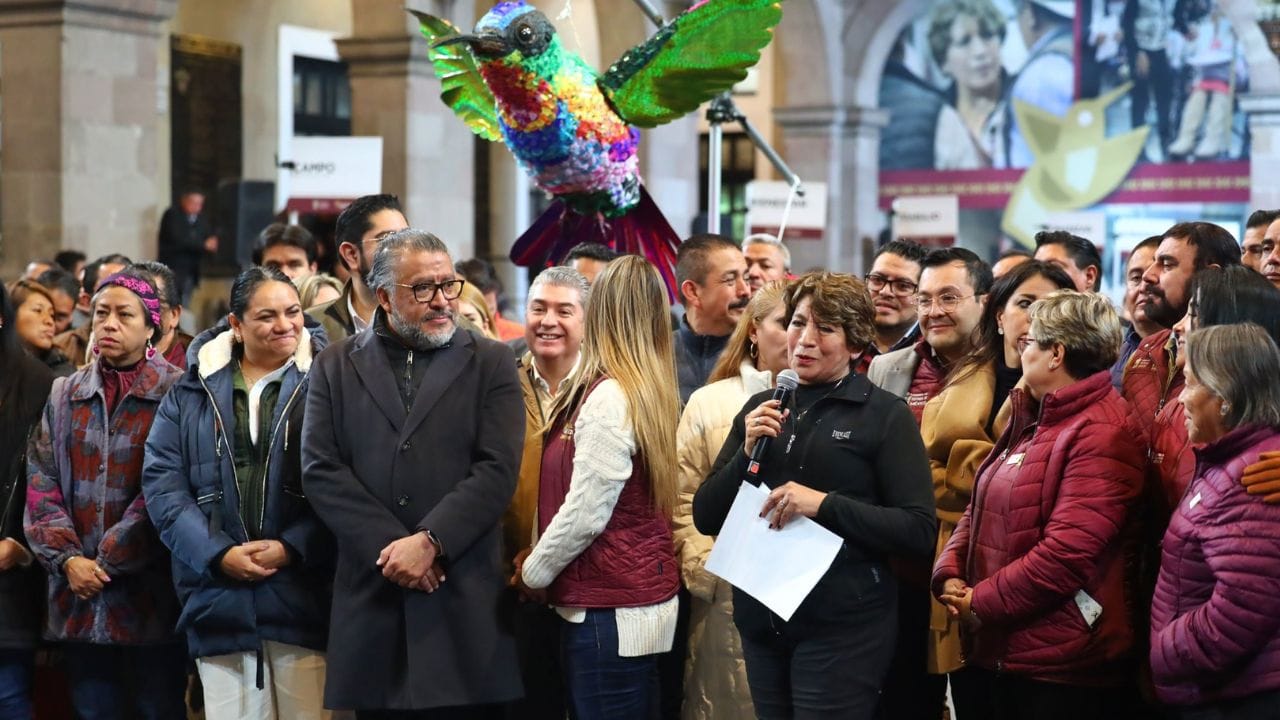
(777, 567)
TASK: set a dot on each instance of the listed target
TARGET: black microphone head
(788, 379)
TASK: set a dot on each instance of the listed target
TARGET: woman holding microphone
(847, 455)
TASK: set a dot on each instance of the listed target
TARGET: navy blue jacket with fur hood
(190, 488)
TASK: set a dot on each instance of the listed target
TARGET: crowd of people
(355, 498)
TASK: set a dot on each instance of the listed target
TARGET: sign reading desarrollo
(767, 209)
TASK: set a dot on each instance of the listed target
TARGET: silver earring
(999, 331)
(1226, 408)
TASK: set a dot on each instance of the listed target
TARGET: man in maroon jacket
(1152, 377)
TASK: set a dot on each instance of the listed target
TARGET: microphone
(787, 382)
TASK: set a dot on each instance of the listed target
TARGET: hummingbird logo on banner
(1076, 164)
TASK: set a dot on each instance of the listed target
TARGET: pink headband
(145, 291)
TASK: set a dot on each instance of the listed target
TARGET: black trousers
(831, 675)
(1015, 697)
(1158, 82)
(465, 712)
(537, 634)
(971, 693)
(671, 663)
(1262, 706)
(910, 692)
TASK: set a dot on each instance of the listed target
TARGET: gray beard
(419, 339)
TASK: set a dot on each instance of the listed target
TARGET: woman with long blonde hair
(604, 558)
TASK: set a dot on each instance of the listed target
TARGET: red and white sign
(767, 206)
(327, 173)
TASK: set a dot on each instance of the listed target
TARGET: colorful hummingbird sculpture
(574, 131)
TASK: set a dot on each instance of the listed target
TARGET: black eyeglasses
(425, 292)
(901, 288)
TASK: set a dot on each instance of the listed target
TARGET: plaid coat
(84, 498)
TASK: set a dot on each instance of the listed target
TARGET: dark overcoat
(375, 473)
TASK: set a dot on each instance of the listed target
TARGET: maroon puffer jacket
(1215, 617)
(1151, 378)
(1172, 460)
(1052, 514)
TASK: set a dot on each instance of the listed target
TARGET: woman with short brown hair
(847, 455)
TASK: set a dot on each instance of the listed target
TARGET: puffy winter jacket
(189, 482)
(1151, 378)
(1049, 524)
(715, 682)
(1215, 616)
(1172, 460)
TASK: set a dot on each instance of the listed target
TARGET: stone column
(838, 146)
(1264, 132)
(85, 105)
(428, 154)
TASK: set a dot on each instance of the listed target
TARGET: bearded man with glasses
(413, 436)
(954, 403)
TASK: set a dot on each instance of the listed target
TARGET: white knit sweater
(604, 444)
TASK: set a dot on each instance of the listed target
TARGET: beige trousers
(293, 685)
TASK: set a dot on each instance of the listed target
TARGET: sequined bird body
(559, 125)
(574, 130)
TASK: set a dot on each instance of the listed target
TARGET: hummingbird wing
(703, 52)
(462, 87)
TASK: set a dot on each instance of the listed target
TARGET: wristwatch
(435, 541)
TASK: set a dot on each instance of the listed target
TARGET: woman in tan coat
(715, 676)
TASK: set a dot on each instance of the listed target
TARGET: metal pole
(648, 9)
(723, 110)
(713, 178)
(774, 158)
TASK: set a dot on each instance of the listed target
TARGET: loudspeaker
(245, 207)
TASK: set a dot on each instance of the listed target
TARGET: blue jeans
(15, 683)
(115, 682)
(602, 685)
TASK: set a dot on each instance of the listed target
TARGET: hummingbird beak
(486, 45)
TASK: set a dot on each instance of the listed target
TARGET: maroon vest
(926, 383)
(632, 563)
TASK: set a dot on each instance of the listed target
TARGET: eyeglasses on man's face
(902, 288)
(425, 292)
(946, 302)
